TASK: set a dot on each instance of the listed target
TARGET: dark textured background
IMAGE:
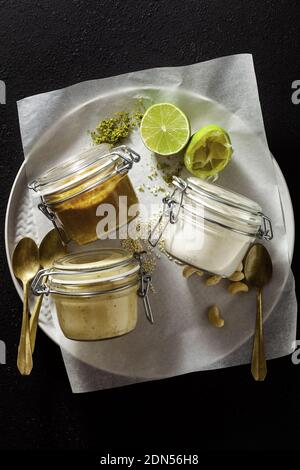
(49, 44)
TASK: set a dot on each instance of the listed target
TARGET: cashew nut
(236, 276)
(215, 317)
(213, 280)
(236, 287)
(240, 267)
(188, 271)
(199, 272)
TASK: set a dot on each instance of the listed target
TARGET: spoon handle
(24, 361)
(259, 364)
(34, 321)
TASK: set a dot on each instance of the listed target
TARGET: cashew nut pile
(235, 286)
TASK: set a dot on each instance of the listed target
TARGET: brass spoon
(258, 270)
(51, 248)
(25, 264)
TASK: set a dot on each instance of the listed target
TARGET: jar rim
(220, 195)
(94, 293)
(94, 260)
(249, 230)
(83, 166)
(93, 267)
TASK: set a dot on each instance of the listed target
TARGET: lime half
(208, 152)
(165, 129)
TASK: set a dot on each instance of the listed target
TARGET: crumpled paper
(224, 92)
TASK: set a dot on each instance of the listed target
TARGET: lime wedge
(165, 129)
(208, 152)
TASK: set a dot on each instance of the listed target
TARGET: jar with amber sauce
(72, 192)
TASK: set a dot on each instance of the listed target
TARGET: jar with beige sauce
(96, 292)
(71, 193)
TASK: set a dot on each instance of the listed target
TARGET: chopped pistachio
(113, 130)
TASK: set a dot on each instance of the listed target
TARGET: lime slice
(208, 152)
(165, 129)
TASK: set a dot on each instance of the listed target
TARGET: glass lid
(216, 204)
(76, 169)
(93, 260)
(90, 267)
(222, 195)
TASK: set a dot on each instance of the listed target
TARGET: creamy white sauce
(205, 244)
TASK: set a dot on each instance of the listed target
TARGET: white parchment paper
(222, 91)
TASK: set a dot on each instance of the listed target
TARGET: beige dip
(95, 293)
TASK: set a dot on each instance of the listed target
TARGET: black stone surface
(48, 44)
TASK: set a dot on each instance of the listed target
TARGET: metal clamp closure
(44, 209)
(266, 231)
(51, 216)
(170, 213)
(38, 287)
(145, 280)
(129, 157)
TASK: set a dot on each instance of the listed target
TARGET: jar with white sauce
(71, 193)
(96, 292)
(209, 227)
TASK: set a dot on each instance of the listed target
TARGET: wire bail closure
(145, 280)
(128, 155)
(37, 285)
(266, 231)
(169, 214)
(51, 216)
